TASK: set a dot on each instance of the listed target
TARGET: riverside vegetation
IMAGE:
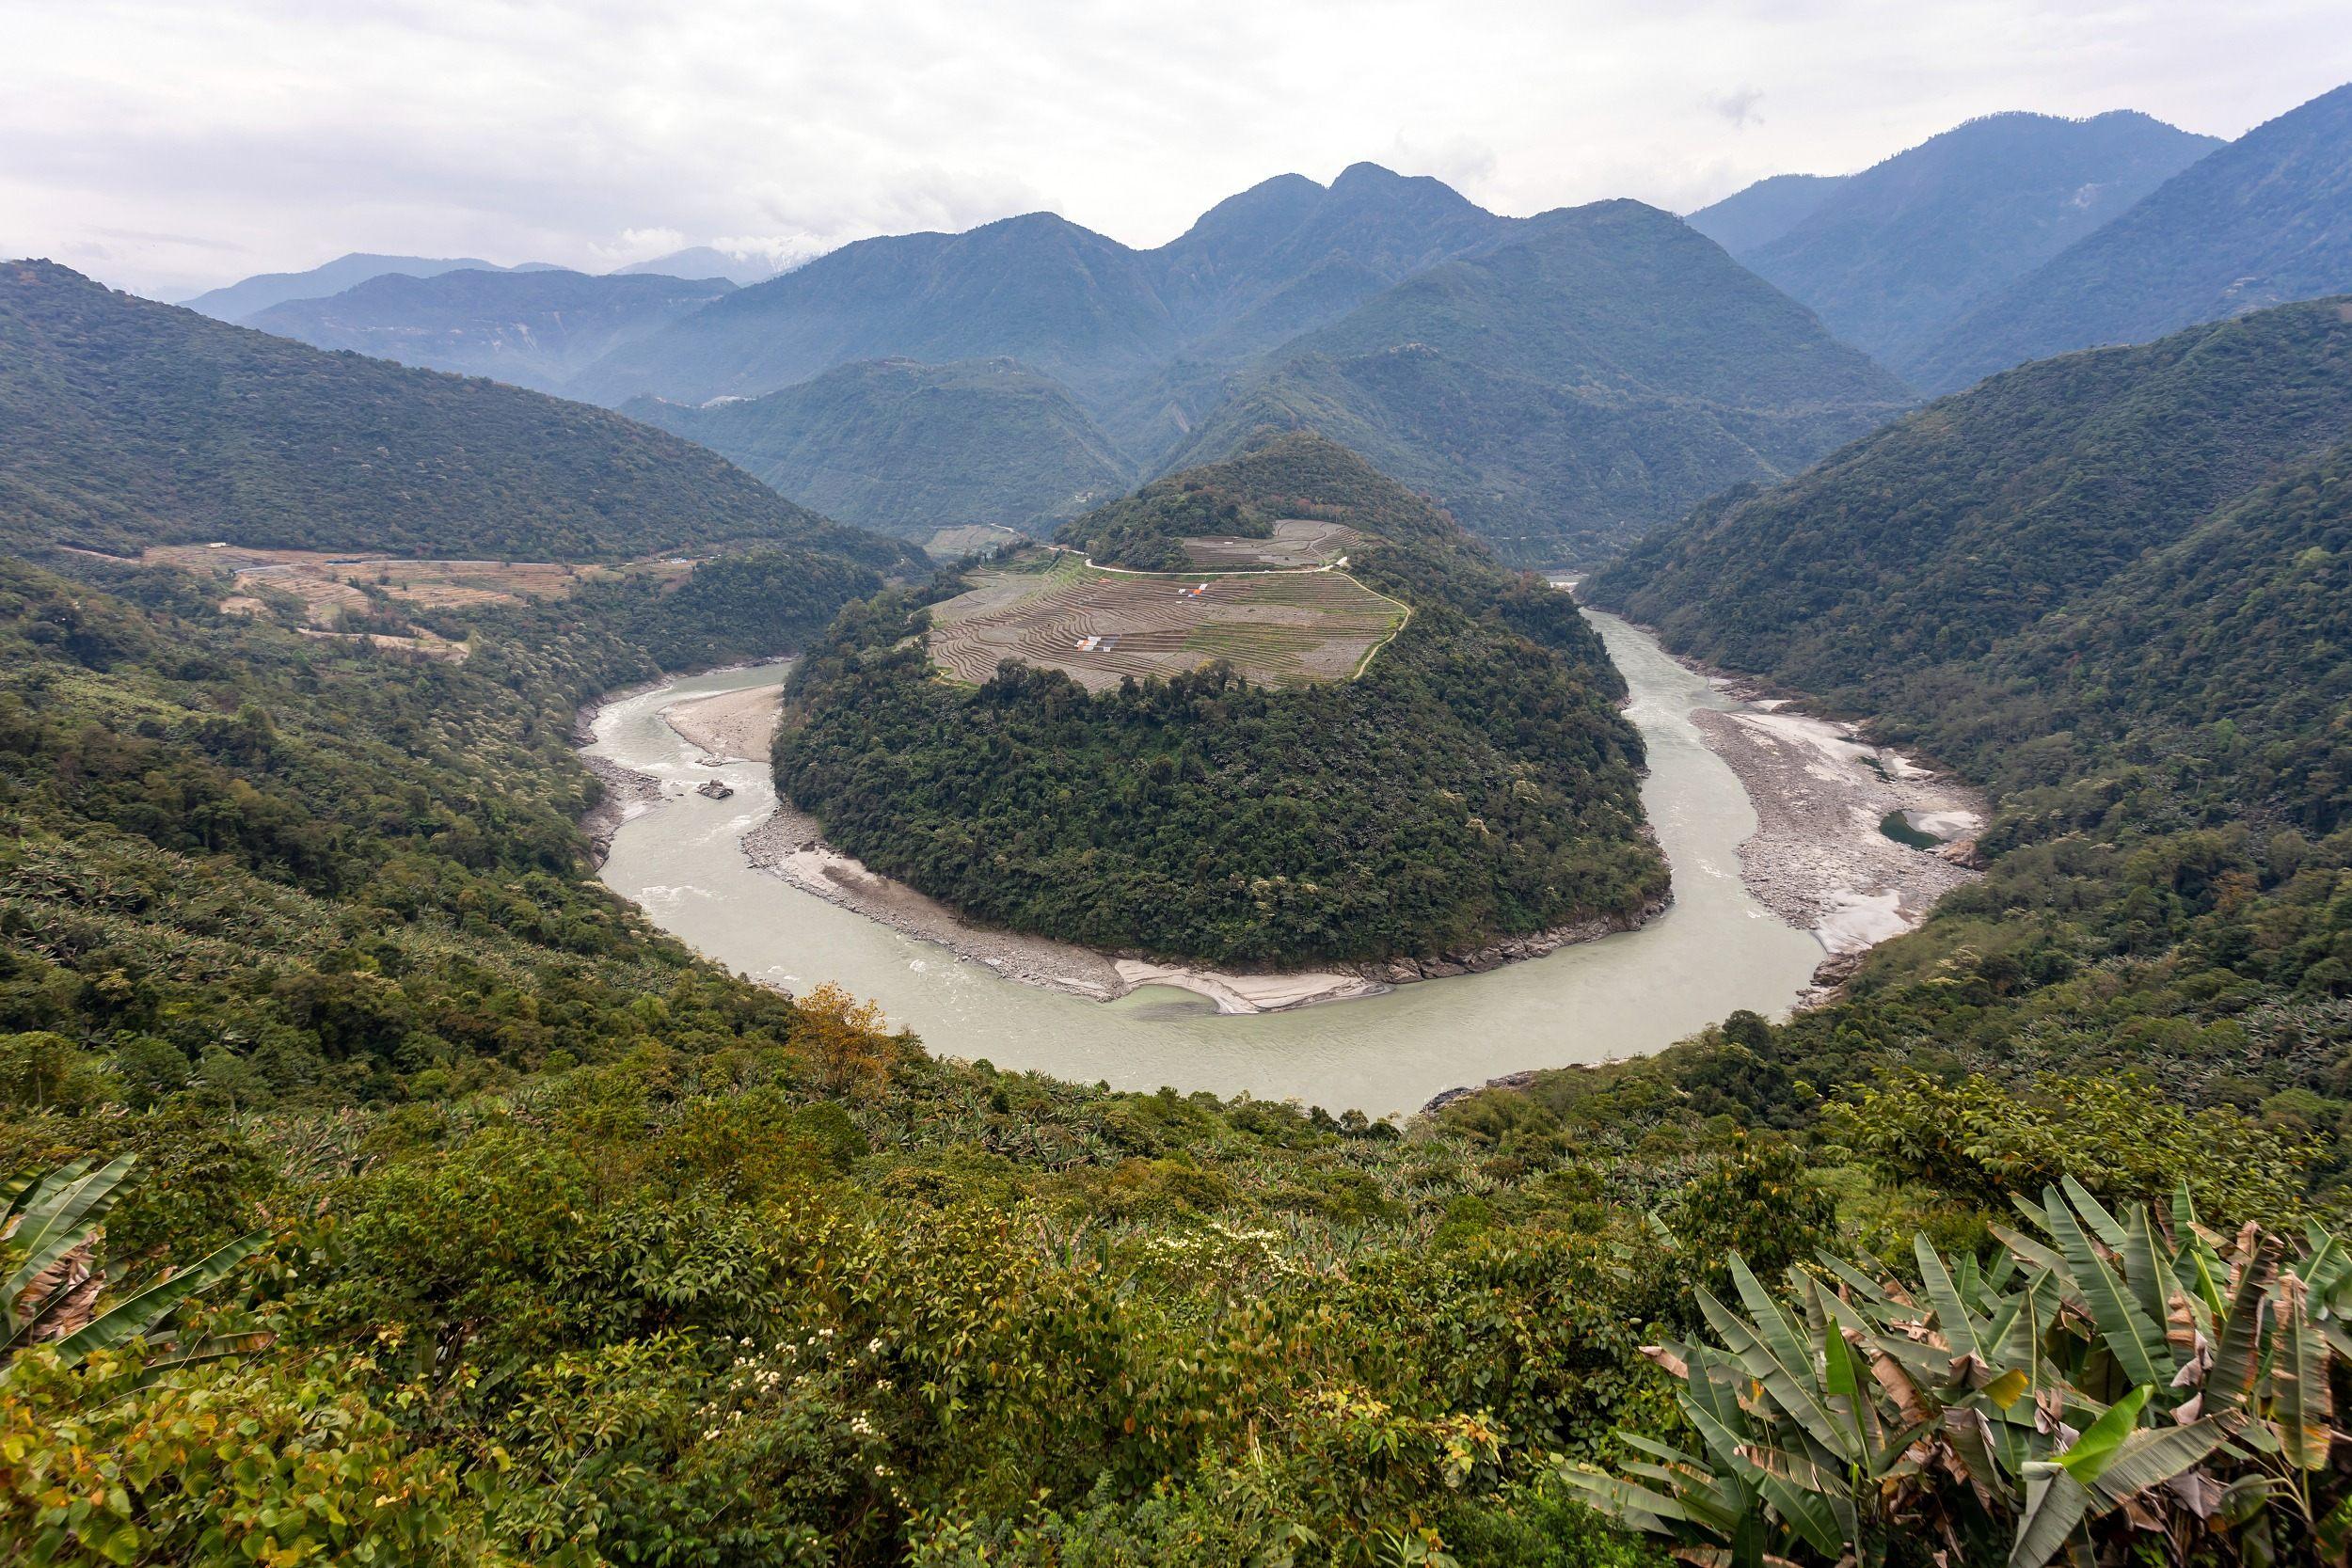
(516, 1233)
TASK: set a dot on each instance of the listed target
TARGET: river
(1715, 950)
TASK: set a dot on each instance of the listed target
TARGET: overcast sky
(167, 146)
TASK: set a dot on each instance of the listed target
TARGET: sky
(167, 146)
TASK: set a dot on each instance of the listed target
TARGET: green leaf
(129, 1318)
(2095, 1448)
(2137, 1345)
(2301, 1405)
(60, 1215)
(2056, 1503)
(1951, 1315)
(2236, 1359)
(2151, 1457)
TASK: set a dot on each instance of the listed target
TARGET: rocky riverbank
(1822, 857)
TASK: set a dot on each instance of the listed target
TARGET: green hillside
(1926, 543)
(905, 449)
(133, 423)
(1898, 253)
(2263, 221)
(535, 329)
(1566, 391)
(1474, 784)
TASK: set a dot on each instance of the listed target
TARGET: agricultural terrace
(1094, 625)
(1296, 542)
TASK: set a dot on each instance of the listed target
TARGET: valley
(871, 880)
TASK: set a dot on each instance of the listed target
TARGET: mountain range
(1470, 354)
(1893, 254)
(243, 298)
(535, 329)
(2262, 221)
(1608, 368)
(1500, 364)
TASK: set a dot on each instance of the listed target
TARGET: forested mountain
(1472, 783)
(906, 448)
(1259, 266)
(1927, 544)
(535, 329)
(133, 423)
(1039, 289)
(1606, 370)
(239, 300)
(1288, 254)
(1758, 213)
(1895, 255)
(2264, 220)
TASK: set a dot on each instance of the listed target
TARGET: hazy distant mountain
(133, 423)
(704, 260)
(1037, 288)
(1597, 375)
(531, 328)
(2263, 220)
(239, 300)
(1765, 211)
(1895, 255)
(1257, 268)
(905, 448)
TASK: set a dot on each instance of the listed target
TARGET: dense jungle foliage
(1474, 784)
(131, 423)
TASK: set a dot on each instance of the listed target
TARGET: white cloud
(169, 147)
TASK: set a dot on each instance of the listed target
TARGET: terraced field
(1296, 542)
(1276, 628)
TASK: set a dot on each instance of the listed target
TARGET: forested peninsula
(1472, 785)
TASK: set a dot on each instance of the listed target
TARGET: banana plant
(50, 1226)
(2114, 1370)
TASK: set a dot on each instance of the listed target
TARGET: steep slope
(1910, 561)
(906, 448)
(133, 423)
(1760, 213)
(1898, 253)
(1564, 391)
(2262, 221)
(1470, 785)
(530, 329)
(1038, 289)
(238, 300)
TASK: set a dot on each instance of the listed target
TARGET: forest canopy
(1474, 784)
